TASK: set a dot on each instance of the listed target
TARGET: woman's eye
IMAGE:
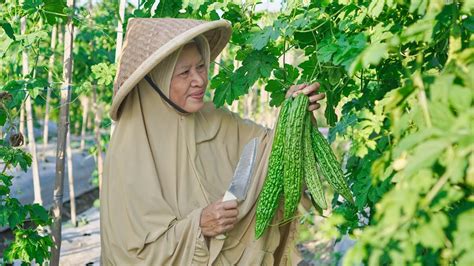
(185, 72)
(201, 66)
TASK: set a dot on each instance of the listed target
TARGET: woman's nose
(197, 79)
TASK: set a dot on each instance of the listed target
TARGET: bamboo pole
(54, 34)
(119, 42)
(70, 174)
(97, 120)
(85, 113)
(29, 124)
(22, 122)
(62, 134)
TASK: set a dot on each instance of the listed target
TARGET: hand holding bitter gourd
(300, 153)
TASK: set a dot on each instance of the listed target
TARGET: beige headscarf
(163, 167)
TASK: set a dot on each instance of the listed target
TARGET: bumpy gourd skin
(299, 152)
(293, 155)
(273, 187)
(311, 176)
(329, 166)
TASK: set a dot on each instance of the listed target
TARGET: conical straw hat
(149, 40)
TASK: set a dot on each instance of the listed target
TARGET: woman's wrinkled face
(189, 81)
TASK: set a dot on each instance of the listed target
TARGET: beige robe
(162, 168)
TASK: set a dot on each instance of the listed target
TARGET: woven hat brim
(216, 46)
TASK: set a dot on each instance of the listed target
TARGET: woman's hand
(311, 91)
(218, 217)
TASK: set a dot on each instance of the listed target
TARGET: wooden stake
(29, 125)
(62, 134)
(54, 34)
(70, 174)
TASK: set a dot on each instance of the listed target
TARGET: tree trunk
(70, 174)
(118, 48)
(85, 113)
(119, 29)
(32, 147)
(62, 134)
(97, 120)
(29, 124)
(90, 123)
(54, 34)
(22, 122)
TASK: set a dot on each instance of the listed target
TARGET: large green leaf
(256, 65)
(260, 39)
(425, 154)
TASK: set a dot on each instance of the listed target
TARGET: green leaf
(39, 214)
(8, 29)
(32, 38)
(418, 31)
(277, 92)
(17, 217)
(425, 155)
(309, 67)
(456, 168)
(346, 122)
(261, 38)
(441, 116)
(464, 236)
(168, 8)
(376, 7)
(257, 64)
(4, 213)
(32, 6)
(468, 23)
(325, 52)
(419, 5)
(468, 6)
(372, 55)
(409, 141)
(54, 10)
(3, 117)
(104, 73)
(330, 112)
(460, 98)
(6, 179)
(287, 75)
(431, 234)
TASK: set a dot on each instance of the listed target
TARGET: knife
(242, 175)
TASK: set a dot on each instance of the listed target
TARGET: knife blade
(243, 173)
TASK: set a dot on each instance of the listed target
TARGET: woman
(172, 156)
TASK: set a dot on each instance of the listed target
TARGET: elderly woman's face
(189, 81)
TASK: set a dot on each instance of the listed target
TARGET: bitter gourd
(328, 164)
(273, 186)
(293, 167)
(311, 176)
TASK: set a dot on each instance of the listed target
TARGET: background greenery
(399, 79)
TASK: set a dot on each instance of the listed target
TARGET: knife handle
(228, 196)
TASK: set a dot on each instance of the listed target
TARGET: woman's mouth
(197, 95)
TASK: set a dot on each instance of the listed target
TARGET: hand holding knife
(242, 176)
